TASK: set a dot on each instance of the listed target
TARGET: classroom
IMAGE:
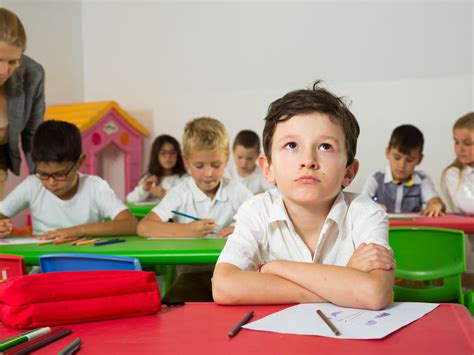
(162, 64)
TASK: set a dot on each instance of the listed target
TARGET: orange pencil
(46, 242)
(90, 241)
(78, 241)
(65, 240)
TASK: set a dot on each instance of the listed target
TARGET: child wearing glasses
(164, 171)
(64, 203)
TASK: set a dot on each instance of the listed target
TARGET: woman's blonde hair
(11, 29)
(205, 133)
(464, 122)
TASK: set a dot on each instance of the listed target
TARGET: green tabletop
(140, 210)
(149, 252)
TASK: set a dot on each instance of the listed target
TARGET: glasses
(171, 153)
(56, 176)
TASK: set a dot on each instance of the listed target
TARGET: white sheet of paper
(353, 323)
(12, 241)
(404, 215)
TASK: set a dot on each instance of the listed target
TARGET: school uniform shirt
(255, 182)
(460, 193)
(93, 201)
(264, 232)
(140, 195)
(188, 198)
(409, 196)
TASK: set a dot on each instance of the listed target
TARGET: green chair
(431, 260)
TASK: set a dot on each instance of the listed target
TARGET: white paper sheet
(12, 241)
(353, 323)
(404, 215)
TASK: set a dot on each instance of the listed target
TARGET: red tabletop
(201, 328)
(465, 223)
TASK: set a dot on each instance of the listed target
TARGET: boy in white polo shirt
(206, 195)
(307, 241)
(245, 151)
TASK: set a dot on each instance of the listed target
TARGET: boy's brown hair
(405, 138)
(316, 99)
(248, 139)
(11, 29)
(205, 133)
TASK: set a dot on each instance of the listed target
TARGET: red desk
(200, 328)
(465, 223)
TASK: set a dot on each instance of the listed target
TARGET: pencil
(71, 348)
(89, 241)
(11, 342)
(32, 345)
(328, 322)
(239, 325)
(65, 240)
(186, 215)
(108, 241)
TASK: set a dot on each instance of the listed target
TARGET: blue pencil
(186, 215)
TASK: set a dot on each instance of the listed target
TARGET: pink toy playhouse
(102, 124)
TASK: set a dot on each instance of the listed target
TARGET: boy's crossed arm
(366, 282)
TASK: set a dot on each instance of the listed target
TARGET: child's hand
(6, 227)
(225, 232)
(149, 183)
(202, 227)
(434, 208)
(384, 207)
(61, 233)
(369, 257)
(158, 191)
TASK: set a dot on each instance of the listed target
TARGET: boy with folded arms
(307, 240)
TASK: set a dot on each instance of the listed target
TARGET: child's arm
(231, 285)
(344, 286)
(123, 224)
(6, 226)
(225, 232)
(434, 208)
(142, 191)
(153, 226)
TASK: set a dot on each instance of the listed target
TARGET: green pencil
(22, 338)
(71, 348)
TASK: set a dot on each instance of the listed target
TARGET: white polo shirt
(255, 182)
(93, 201)
(188, 198)
(264, 232)
(461, 193)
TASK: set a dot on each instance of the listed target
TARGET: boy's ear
(185, 161)
(387, 152)
(421, 158)
(266, 168)
(351, 172)
(81, 161)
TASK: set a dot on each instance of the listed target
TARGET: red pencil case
(58, 298)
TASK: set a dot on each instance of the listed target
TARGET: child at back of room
(246, 149)
(63, 202)
(165, 170)
(400, 188)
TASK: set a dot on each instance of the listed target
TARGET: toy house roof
(85, 115)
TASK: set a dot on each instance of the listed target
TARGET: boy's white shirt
(428, 190)
(188, 198)
(140, 195)
(461, 194)
(264, 232)
(255, 182)
(93, 201)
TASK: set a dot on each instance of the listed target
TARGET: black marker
(239, 325)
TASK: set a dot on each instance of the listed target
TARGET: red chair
(11, 265)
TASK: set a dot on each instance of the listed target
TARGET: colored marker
(23, 338)
(109, 241)
(239, 325)
(328, 322)
(32, 345)
(186, 215)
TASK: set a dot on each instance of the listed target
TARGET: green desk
(156, 253)
(140, 210)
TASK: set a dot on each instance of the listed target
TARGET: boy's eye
(290, 145)
(325, 147)
(216, 165)
(199, 166)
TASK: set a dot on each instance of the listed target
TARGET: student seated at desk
(205, 195)
(307, 240)
(245, 151)
(64, 203)
(399, 188)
